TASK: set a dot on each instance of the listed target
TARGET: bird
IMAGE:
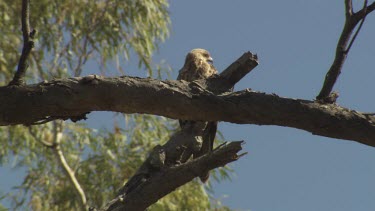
(199, 65)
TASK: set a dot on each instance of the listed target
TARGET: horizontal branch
(71, 98)
(167, 180)
(143, 188)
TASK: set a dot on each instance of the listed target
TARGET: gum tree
(49, 102)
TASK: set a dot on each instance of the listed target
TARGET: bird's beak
(210, 60)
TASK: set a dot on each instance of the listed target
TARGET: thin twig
(82, 58)
(25, 19)
(44, 121)
(28, 44)
(369, 114)
(38, 139)
(368, 9)
(358, 29)
(343, 46)
(68, 171)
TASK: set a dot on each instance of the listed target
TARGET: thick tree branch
(180, 147)
(343, 46)
(28, 44)
(246, 63)
(167, 180)
(70, 98)
(223, 83)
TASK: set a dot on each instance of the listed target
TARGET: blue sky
(286, 169)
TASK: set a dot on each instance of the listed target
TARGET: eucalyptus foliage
(71, 33)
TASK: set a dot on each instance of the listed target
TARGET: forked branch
(343, 46)
(28, 45)
(167, 180)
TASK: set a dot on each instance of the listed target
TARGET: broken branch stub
(178, 150)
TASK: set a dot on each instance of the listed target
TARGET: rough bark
(70, 98)
(143, 188)
(168, 179)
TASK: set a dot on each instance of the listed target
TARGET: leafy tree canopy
(69, 34)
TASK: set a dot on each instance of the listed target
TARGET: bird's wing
(185, 74)
(181, 74)
(208, 139)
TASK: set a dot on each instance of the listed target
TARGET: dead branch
(181, 145)
(241, 67)
(343, 46)
(167, 180)
(70, 98)
(28, 45)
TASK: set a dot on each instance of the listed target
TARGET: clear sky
(286, 169)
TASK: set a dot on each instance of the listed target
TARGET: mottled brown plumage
(199, 65)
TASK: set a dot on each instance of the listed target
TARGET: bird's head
(198, 65)
(199, 54)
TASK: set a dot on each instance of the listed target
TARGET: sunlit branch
(64, 164)
(343, 46)
(167, 180)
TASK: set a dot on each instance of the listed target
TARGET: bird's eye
(210, 60)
